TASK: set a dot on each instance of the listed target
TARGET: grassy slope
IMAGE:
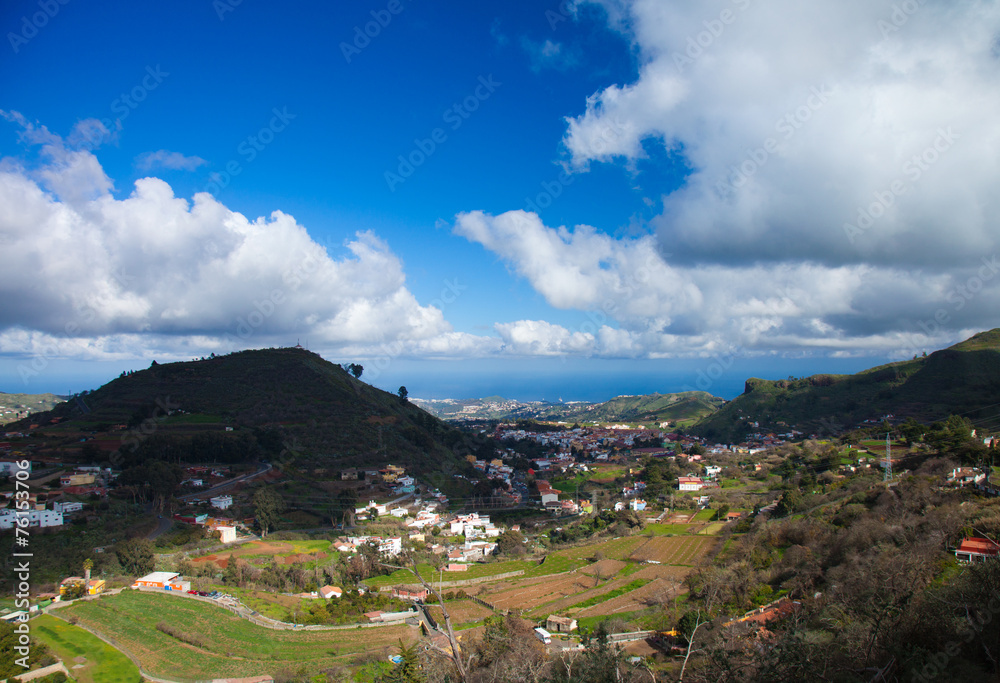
(650, 408)
(228, 645)
(321, 407)
(958, 380)
(104, 664)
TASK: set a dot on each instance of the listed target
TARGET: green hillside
(259, 403)
(17, 406)
(686, 406)
(963, 379)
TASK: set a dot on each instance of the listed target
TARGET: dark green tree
(267, 505)
(135, 556)
(407, 671)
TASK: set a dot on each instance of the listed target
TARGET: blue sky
(616, 192)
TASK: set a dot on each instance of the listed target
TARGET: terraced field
(461, 612)
(676, 550)
(220, 644)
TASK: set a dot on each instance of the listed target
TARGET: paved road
(218, 488)
(161, 528)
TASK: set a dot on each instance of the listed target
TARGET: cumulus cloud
(88, 275)
(839, 133)
(636, 301)
(170, 160)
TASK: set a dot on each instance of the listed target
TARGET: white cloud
(549, 54)
(88, 275)
(637, 303)
(793, 116)
(540, 338)
(169, 160)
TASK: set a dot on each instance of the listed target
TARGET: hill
(652, 409)
(963, 379)
(18, 406)
(275, 402)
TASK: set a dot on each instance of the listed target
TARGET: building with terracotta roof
(975, 549)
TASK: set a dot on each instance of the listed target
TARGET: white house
(690, 483)
(712, 471)
(331, 592)
(380, 509)
(637, 504)
(221, 502)
(67, 507)
(36, 518)
(227, 534)
(390, 546)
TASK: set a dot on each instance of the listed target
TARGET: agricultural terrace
(217, 643)
(90, 658)
(460, 611)
(580, 591)
(675, 550)
(432, 575)
(288, 552)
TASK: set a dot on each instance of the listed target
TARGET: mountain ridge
(963, 379)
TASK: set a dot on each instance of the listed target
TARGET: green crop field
(555, 564)
(664, 529)
(616, 549)
(598, 599)
(475, 571)
(73, 645)
(217, 643)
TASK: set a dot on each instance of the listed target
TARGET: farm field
(461, 612)
(220, 644)
(616, 549)
(662, 529)
(98, 661)
(475, 571)
(676, 550)
(289, 552)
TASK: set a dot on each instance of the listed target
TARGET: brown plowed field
(461, 612)
(531, 595)
(683, 550)
(606, 568)
(221, 560)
